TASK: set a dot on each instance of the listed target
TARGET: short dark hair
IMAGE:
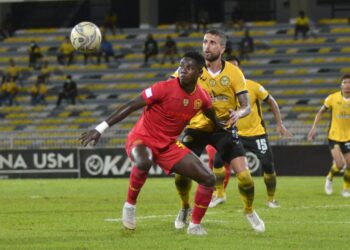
(219, 33)
(197, 57)
(346, 76)
(231, 58)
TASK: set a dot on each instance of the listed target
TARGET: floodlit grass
(74, 214)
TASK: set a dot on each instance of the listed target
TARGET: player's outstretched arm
(281, 129)
(318, 117)
(122, 112)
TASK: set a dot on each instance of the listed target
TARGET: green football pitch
(85, 214)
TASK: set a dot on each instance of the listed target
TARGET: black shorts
(260, 146)
(344, 146)
(228, 147)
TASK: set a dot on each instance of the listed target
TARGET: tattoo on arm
(244, 104)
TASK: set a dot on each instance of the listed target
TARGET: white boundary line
(150, 217)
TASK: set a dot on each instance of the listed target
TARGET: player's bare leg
(338, 164)
(142, 158)
(183, 186)
(191, 167)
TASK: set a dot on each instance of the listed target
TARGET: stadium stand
(298, 73)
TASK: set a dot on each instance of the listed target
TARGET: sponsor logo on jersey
(197, 104)
(343, 115)
(219, 98)
(212, 82)
(148, 92)
(262, 89)
(224, 81)
(186, 102)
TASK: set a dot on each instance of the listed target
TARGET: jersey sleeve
(206, 101)
(260, 91)
(239, 84)
(154, 93)
(328, 102)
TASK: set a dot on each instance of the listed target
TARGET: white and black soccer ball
(86, 37)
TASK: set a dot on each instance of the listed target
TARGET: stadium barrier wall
(113, 162)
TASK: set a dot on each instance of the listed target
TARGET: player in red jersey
(170, 105)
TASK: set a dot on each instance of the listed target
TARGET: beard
(212, 57)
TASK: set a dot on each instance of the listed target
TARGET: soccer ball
(86, 37)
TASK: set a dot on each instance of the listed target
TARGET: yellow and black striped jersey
(339, 129)
(223, 90)
(252, 124)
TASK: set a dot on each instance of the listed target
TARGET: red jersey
(169, 109)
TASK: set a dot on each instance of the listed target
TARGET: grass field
(85, 214)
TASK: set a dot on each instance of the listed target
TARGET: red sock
(202, 199)
(227, 176)
(211, 151)
(136, 180)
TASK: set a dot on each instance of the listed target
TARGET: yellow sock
(334, 170)
(183, 187)
(219, 185)
(346, 184)
(246, 189)
(270, 183)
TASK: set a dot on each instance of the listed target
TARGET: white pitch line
(36, 197)
(152, 217)
(239, 210)
(141, 217)
(315, 207)
(309, 222)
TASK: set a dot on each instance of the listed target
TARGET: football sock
(334, 170)
(202, 199)
(227, 176)
(183, 187)
(211, 151)
(136, 181)
(246, 189)
(270, 182)
(219, 185)
(346, 184)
